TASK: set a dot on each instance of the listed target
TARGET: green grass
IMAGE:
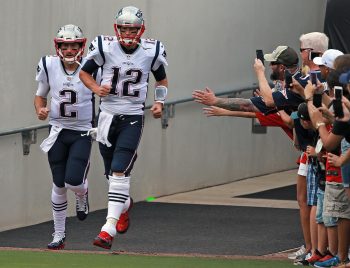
(33, 259)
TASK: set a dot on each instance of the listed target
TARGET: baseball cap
(303, 112)
(284, 55)
(344, 78)
(328, 58)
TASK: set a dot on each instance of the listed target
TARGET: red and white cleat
(124, 220)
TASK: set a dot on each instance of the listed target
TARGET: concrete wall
(209, 43)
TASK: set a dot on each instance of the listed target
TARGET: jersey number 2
(73, 99)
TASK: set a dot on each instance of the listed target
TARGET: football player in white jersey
(126, 61)
(70, 117)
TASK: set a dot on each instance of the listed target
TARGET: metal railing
(29, 133)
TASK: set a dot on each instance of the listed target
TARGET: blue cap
(344, 78)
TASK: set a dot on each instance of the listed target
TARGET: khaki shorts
(336, 202)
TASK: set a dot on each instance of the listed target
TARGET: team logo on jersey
(69, 78)
(68, 84)
(127, 63)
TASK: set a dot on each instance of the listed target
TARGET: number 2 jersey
(127, 74)
(71, 105)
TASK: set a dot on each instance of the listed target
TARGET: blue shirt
(286, 99)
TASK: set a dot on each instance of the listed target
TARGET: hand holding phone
(337, 102)
(313, 77)
(317, 100)
(260, 55)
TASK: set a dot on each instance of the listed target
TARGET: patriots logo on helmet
(38, 69)
(139, 14)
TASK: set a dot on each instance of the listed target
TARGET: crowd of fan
(311, 104)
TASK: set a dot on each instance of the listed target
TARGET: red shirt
(274, 120)
(333, 174)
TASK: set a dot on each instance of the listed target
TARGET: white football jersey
(128, 74)
(71, 104)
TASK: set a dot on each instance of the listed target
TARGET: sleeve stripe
(45, 68)
(100, 49)
(156, 54)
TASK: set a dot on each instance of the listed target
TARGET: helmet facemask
(129, 17)
(70, 34)
(131, 39)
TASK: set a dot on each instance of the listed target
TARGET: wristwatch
(318, 124)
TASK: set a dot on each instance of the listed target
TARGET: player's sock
(118, 194)
(59, 208)
(126, 205)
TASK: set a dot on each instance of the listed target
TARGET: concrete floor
(226, 194)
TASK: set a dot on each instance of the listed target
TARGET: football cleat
(103, 240)
(124, 221)
(82, 206)
(58, 241)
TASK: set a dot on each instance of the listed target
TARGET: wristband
(160, 93)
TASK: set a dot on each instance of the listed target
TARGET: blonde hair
(315, 40)
(305, 70)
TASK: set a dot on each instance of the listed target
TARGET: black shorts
(124, 134)
(69, 158)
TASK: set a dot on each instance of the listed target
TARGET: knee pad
(119, 182)
(78, 189)
(58, 190)
(59, 195)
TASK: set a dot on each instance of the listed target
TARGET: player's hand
(103, 90)
(206, 97)
(157, 109)
(43, 113)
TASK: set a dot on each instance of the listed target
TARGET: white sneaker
(57, 242)
(297, 253)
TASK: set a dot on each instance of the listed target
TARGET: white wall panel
(209, 43)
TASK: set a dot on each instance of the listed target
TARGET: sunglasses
(303, 49)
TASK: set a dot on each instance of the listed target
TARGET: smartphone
(313, 55)
(313, 77)
(338, 92)
(260, 55)
(317, 100)
(337, 103)
(287, 79)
